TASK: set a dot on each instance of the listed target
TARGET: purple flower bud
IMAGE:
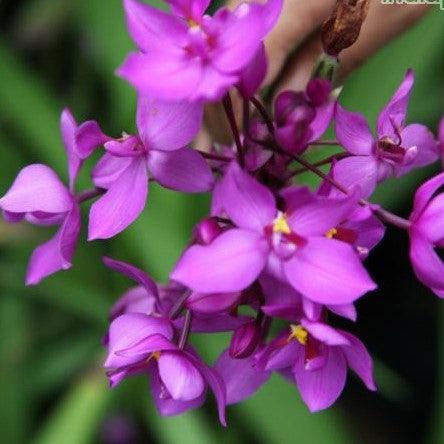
(293, 106)
(245, 340)
(206, 231)
(318, 91)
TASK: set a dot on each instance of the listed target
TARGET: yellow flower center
(299, 333)
(280, 225)
(155, 355)
(192, 23)
(331, 233)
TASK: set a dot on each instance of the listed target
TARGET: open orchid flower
(38, 196)
(394, 151)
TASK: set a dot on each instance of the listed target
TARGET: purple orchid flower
(157, 152)
(294, 245)
(427, 233)
(396, 149)
(38, 196)
(315, 357)
(143, 344)
(190, 55)
(303, 117)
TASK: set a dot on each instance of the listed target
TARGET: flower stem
(89, 194)
(228, 107)
(263, 112)
(325, 161)
(178, 306)
(324, 142)
(185, 330)
(212, 156)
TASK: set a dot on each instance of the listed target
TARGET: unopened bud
(244, 341)
(206, 231)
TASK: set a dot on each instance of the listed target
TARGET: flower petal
(182, 170)
(212, 302)
(88, 137)
(134, 300)
(122, 203)
(328, 271)
(108, 169)
(423, 195)
(324, 333)
(253, 74)
(230, 263)
(68, 128)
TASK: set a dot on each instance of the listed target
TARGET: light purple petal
(353, 132)
(57, 253)
(134, 273)
(324, 333)
(242, 377)
(122, 203)
(346, 311)
(108, 169)
(213, 302)
(394, 113)
(359, 360)
(130, 146)
(88, 137)
(357, 171)
(431, 222)
(37, 188)
(213, 323)
(328, 271)
(230, 263)
(285, 356)
(168, 126)
(248, 203)
(321, 388)
(68, 127)
(423, 195)
(134, 300)
(182, 170)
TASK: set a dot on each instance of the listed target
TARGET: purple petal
(346, 311)
(431, 221)
(321, 388)
(68, 127)
(423, 195)
(122, 203)
(214, 323)
(182, 170)
(324, 333)
(230, 263)
(359, 360)
(165, 404)
(285, 356)
(321, 122)
(213, 302)
(168, 126)
(88, 137)
(253, 74)
(242, 377)
(328, 271)
(426, 263)
(394, 113)
(134, 300)
(189, 9)
(357, 171)
(57, 253)
(128, 146)
(181, 378)
(248, 203)
(134, 273)
(353, 132)
(108, 169)
(37, 188)
(128, 330)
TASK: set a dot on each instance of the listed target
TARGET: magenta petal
(357, 171)
(37, 188)
(134, 300)
(431, 221)
(346, 311)
(189, 9)
(321, 388)
(359, 360)
(129, 146)
(134, 273)
(108, 169)
(181, 378)
(68, 127)
(214, 323)
(328, 271)
(230, 263)
(165, 404)
(428, 267)
(122, 203)
(324, 333)
(168, 126)
(253, 74)
(182, 170)
(353, 132)
(423, 195)
(286, 356)
(242, 377)
(88, 137)
(213, 302)
(57, 253)
(248, 203)
(149, 26)
(321, 122)
(395, 111)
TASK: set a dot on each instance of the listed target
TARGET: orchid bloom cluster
(270, 249)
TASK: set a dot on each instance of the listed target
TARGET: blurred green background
(56, 53)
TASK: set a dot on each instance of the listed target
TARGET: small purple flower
(190, 55)
(38, 196)
(395, 151)
(427, 233)
(295, 246)
(315, 357)
(303, 117)
(143, 344)
(157, 152)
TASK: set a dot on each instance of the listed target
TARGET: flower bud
(206, 231)
(245, 339)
